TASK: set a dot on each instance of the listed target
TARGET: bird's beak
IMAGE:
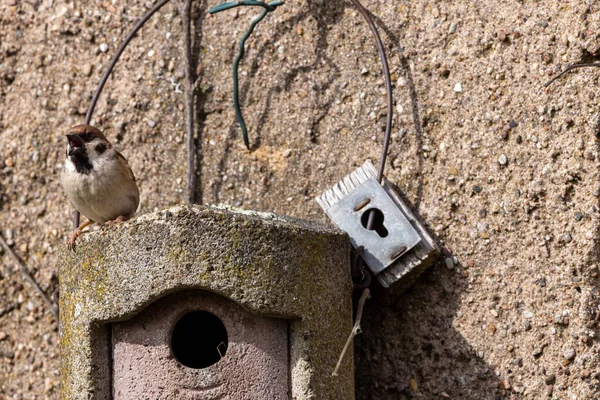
(75, 143)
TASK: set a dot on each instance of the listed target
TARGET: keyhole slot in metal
(378, 226)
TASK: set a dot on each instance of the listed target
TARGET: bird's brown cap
(83, 129)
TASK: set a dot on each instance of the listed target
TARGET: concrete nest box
(206, 303)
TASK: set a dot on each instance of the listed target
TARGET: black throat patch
(82, 163)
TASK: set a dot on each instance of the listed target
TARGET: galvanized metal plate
(380, 251)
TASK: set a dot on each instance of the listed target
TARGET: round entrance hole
(199, 339)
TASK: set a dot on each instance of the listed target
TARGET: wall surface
(514, 314)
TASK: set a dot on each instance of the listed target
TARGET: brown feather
(83, 129)
(125, 165)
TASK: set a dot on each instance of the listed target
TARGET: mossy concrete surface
(270, 265)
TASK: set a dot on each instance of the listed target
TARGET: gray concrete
(272, 267)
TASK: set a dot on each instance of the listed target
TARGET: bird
(97, 179)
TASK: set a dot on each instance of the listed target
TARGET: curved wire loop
(115, 59)
(390, 101)
(111, 66)
(571, 68)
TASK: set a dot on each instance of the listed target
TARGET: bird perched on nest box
(97, 179)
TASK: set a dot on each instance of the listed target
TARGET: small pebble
(550, 379)
(501, 33)
(569, 354)
(458, 88)
(3, 336)
(87, 69)
(413, 385)
(528, 314)
(287, 153)
(503, 160)
(401, 387)
(519, 139)
(585, 373)
(452, 28)
(104, 47)
(449, 263)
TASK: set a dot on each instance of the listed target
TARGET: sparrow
(97, 179)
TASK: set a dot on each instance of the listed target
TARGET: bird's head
(87, 142)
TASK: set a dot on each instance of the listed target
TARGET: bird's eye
(87, 137)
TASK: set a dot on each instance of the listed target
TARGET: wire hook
(268, 7)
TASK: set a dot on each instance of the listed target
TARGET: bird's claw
(71, 243)
(115, 221)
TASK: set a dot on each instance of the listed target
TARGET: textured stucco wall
(468, 87)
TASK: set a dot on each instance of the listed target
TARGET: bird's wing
(125, 165)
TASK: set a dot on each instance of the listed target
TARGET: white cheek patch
(69, 166)
(104, 161)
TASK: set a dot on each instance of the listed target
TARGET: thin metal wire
(390, 106)
(570, 68)
(111, 66)
(185, 10)
(115, 59)
(27, 276)
(228, 6)
(236, 98)
(388, 84)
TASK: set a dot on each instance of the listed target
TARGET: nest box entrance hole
(199, 339)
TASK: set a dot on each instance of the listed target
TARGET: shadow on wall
(410, 349)
(405, 336)
(410, 336)
(324, 15)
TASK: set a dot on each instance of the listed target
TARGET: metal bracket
(399, 248)
(394, 235)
